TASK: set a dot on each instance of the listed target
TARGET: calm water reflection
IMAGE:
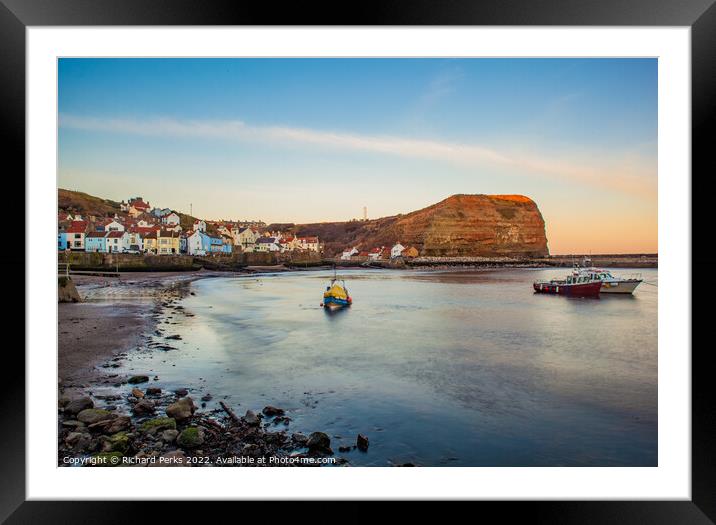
(437, 368)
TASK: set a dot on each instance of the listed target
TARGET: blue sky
(299, 140)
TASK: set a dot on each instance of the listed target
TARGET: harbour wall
(156, 263)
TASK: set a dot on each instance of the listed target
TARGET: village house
(225, 228)
(267, 244)
(309, 243)
(61, 239)
(396, 250)
(173, 227)
(137, 207)
(348, 253)
(291, 243)
(113, 225)
(162, 242)
(220, 244)
(170, 218)
(197, 243)
(159, 212)
(199, 225)
(182, 242)
(246, 238)
(115, 241)
(96, 242)
(168, 242)
(75, 235)
(134, 240)
(374, 254)
(410, 252)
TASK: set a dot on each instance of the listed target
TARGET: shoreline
(111, 419)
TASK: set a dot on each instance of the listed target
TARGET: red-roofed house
(137, 207)
(171, 218)
(309, 243)
(116, 241)
(75, 235)
(374, 254)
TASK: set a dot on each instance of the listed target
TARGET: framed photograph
(414, 258)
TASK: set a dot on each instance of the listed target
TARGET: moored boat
(336, 294)
(610, 283)
(574, 285)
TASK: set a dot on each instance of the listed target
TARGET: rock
(191, 437)
(116, 443)
(173, 337)
(362, 443)
(137, 393)
(64, 401)
(181, 392)
(175, 458)
(143, 407)
(298, 438)
(319, 442)
(153, 391)
(344, 449)
(66, 291)
(137, 379)
(112, 426)
(73, 424)
(78, 405)
(78, 441)
(182, 409)
(282, 419)
(273, 411)
(251, 418)
(158, 424)
(170, 435)
(207, 397)
(93, 415)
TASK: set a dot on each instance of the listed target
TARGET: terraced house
(75, 235)
(162, 242)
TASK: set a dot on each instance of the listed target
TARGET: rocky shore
(108, 419)
(167, 429)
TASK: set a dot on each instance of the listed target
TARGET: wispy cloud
(631, 177)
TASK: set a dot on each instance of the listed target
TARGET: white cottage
(348, 252)
(396, 250)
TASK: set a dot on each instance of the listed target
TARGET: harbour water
(437, 368)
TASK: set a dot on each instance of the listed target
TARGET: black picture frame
(699, 15)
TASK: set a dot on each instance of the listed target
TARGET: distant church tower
(365, 213)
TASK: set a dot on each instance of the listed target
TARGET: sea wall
(146, 263)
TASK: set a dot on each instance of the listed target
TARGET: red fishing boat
(575, 285)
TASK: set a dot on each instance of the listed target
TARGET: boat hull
(335, 302)
(573, 290)
(622, 287)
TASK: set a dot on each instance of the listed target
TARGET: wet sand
(90, 334)
(112, 319)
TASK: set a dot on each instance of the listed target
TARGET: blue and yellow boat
(336, 294)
